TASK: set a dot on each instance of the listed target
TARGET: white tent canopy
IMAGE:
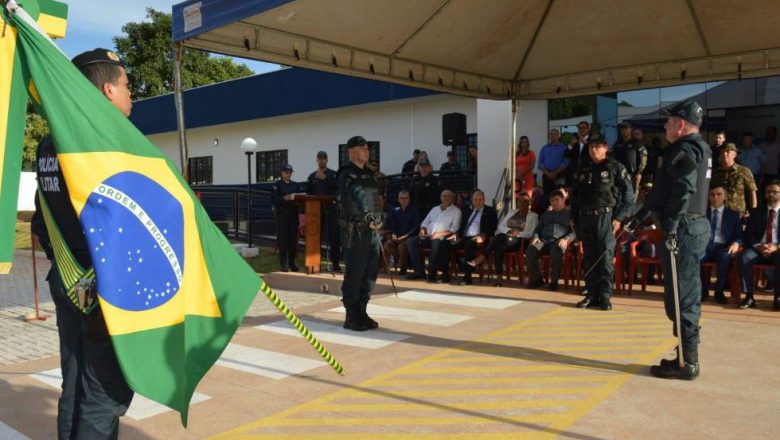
(499, 49)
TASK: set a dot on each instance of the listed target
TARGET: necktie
(769, 223)
(714, 225)
(471, 220)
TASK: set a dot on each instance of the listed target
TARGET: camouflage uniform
(737, 181)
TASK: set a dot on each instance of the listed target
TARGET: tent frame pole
(512, 153)
(178, 99)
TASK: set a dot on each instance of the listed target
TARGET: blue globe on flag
(135, 231)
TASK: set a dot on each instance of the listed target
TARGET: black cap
(691, 111)
(596, 138)
(322, 154)
(424, 162)
(356, 141)
(287, 167)
(96, 56)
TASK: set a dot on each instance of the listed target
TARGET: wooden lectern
(313, 207)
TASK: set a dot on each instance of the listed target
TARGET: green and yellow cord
(279, 304)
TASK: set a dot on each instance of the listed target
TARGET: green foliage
(147, 48)
(36, 129)
(564, 108)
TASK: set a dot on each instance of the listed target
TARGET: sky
(94, 24)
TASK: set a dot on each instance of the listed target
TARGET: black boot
(672, 369)
(370, 323)
(604, 302)
(354, 320)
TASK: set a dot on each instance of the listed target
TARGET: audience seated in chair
(725, 240)
(551, 236)
(437, 232)
(761, 245)
(515, 227)
(478, 226)
(403, 222)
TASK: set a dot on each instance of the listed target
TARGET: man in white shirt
(436, 231)
(761, 245)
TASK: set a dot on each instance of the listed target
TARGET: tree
(146, 47)
(36, 129)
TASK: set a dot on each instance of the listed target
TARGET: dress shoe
(466, 282)
(415, 276)
(586, 302)
(402, 272)
(552, 287)
(499, 281)
(284, 269)
(444, 279)
(535, 284)
(689, 372)
(720, 298)
(747, 303)
(431, 279)
(776, 305)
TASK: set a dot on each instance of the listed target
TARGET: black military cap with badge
(690, 111)
(97, 56)
(356, 141)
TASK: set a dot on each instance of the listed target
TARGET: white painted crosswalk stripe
(265, 363)
(438, 319)
(8, 433)
(459, 300)
(338, 335)
(141, 407)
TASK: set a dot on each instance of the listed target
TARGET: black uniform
(450, 175)
(329, 216)
(360, 219)
(94, 391)
(678, 202)
(600, 193)
(425, 193)
(286, 222)
(632, 155)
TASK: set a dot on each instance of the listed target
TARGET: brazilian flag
(171, 287)
(50, 16)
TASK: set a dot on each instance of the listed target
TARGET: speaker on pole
(453, 129)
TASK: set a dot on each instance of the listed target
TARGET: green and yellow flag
(50, 16)
(171, 287)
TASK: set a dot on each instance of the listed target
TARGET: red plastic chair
(652, 237)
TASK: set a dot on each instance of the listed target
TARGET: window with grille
(201, 170)
(373, 153)
(269, 165)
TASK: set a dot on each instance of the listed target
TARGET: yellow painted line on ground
(333, 415)
(368, 435)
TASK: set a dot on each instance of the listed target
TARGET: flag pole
(279, 304)
(178, 99)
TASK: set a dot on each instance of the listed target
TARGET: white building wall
(27, 187)
(399, 126)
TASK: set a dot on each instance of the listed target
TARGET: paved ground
(448, 362)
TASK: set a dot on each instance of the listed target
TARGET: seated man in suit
(402, 223)
(761, 244)
(551, 236)
(725, 240)
(436, 231)
(479, 226)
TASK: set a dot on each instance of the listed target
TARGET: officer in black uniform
(678, 203)
(425, 188)
(94, 391)
(323, 183)
(283, 201)
(360, 220)
(601, 198)
(631, 154)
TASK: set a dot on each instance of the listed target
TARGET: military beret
(97, 56)
(356, 141)
(691, 111)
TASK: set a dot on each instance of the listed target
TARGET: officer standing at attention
(94, 391)
(323, 183)
(283, 201)
(360, 220)
(631, 154)
(678, 203)
(601, 197)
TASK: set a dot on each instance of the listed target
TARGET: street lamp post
(249, 146)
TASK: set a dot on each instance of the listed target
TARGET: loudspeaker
(453, 129)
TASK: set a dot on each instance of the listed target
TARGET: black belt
(596, 211)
